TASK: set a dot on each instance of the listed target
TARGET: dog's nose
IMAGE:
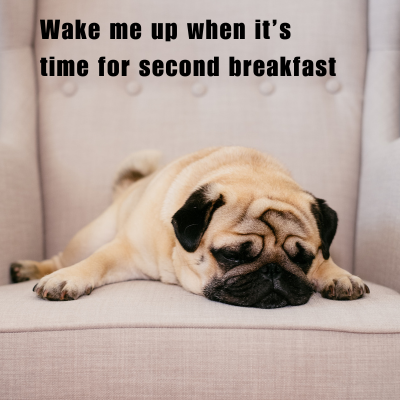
(276, 270)
(271, 271)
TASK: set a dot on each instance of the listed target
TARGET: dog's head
(240, 246)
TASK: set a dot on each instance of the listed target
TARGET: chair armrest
(21, 233)
(378, 226)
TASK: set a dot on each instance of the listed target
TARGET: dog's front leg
(334, 282)
(111, 263)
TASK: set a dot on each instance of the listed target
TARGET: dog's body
(228, 223)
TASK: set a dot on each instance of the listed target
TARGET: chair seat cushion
(156, 305)
(147, 340)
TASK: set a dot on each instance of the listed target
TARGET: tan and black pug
(226, 223)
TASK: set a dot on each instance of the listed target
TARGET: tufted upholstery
(87, 125)
(61, 138)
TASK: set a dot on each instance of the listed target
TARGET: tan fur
(134, 237)
(135, 167)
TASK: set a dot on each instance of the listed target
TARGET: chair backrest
(312, 124)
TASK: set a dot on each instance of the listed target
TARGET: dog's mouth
(268, 287)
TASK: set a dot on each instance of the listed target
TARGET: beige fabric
(378, 235)
(88, 125)
(206, 364)
(145, 340)
(20, 202)
(17, 23)
(154, 304)
(148, 340)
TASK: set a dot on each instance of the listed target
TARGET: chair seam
(200, 328)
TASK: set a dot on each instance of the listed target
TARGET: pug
(227, 223)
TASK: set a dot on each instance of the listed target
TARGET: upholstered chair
(62, 137)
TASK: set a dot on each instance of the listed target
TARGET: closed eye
(225, 255)
(231, 257)
(301, 257)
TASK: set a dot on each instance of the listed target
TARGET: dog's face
(242, 247)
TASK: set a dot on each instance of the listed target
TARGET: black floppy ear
(191, 221)
(327, 221)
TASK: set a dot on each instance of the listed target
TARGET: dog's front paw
(25, 270)
(345, 287)
(62, 285)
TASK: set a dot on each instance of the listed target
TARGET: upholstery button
(69, 88)
(199, 89)
(266, 88)
(133, 88)
(332, 86)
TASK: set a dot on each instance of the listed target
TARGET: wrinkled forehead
(281, 217)
(258, 207)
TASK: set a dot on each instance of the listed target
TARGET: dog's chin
(245, 291)
(273, 300)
